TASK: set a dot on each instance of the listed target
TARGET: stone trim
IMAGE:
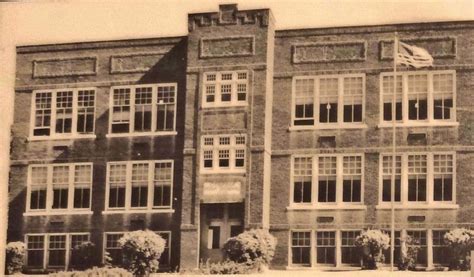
(240, 52)
(386, 46)
(115, 61)
(37, 63)
(298, 58)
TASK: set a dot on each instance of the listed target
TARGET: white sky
(23, 23)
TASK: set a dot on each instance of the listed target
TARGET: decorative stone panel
(134, 63)
(234, 46)
(350, 51)
(63, 67)
(438, 47)
(230, 120)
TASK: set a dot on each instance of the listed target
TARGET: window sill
(424, 206)
(418, 124)
(328, 127)
(48, 213)
(138, 211)
(71, 137)
(217, 106)
(121, 135)
(326, 207)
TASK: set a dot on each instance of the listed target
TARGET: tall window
(223, 153)
(143, 108)
(63, 113)
(59, 187)
(225, 88)
(331, 172)
(143, 185)
(166, 255)
(417, 171)
(422, 97)
(302, 180)
(420, 237)
(301, 248)
(423, 177)
(326, 100)
(350, 254)
(51, 251)
(75, 256)
(387, 165)
(326, 247)
(441, 252)
(397, 251)
(112, 247)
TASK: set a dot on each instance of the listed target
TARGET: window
(47, 251)
(349, 251)
(387, 165)
(330, 173)
(63, 113)
(76, 241)
(166, 255)
(143, 109)
(35, 245)
(223, 153)
(213, 238)
(113, 248)
(397, 251)
(139, 185)
(421, 178)
(328, 100)
(301, 248)
(420, 237)
(441, 252)
(302, 180)
(421, 97)
(326, 248)
(225, 88)
(59, 187)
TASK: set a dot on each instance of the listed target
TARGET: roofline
(86, 45)
(383, 27)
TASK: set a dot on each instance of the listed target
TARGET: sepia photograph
(216, 137)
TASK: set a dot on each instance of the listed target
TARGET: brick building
(236, 126)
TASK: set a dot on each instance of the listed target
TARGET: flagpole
(392, 187)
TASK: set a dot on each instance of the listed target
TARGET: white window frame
(49, 191)
(53, 135)
(169, 243)
(429, 203)
(217, 92)
(338, 204)
(430, 121)
(232, 147)
(128, 189)
(46, 247)
(340, 124)
(104, 241)
(154, 112)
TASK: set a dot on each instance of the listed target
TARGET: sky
(47, 22)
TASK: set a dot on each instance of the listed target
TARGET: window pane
(57, 251)
(39, 181)
(82, 186)
(42, 114)
(302, 180)
(328, 94)
(35, 251)
(162, 183)
(417, 96)
(121, 110)
(166, 108)
(85, 111)
(143, 102)
(139, 184)
(387, 87)
(117, 181)
(350, 254)
(215, 233)
(113, 248)
(301, 248)
(353, 98)
(304, 102)
(60, 187)
(443, 91)
(326, 248)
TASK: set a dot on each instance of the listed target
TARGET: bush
(15, 256)
(371, 244)
(95, 272)
(255, 248)
(460, 241)
(141, 251)
(83, 256)
(225, 267)
(409, 253)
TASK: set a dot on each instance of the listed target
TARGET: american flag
(413, 56)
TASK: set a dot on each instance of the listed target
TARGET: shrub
(255, 247)
(460, 241)
(95, 272)
(409, 253)
(83, 256)
(15, 256)
(141, 251)
(371, 243)
(226, 267)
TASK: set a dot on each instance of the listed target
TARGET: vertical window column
(302, 189)
(301, 248)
